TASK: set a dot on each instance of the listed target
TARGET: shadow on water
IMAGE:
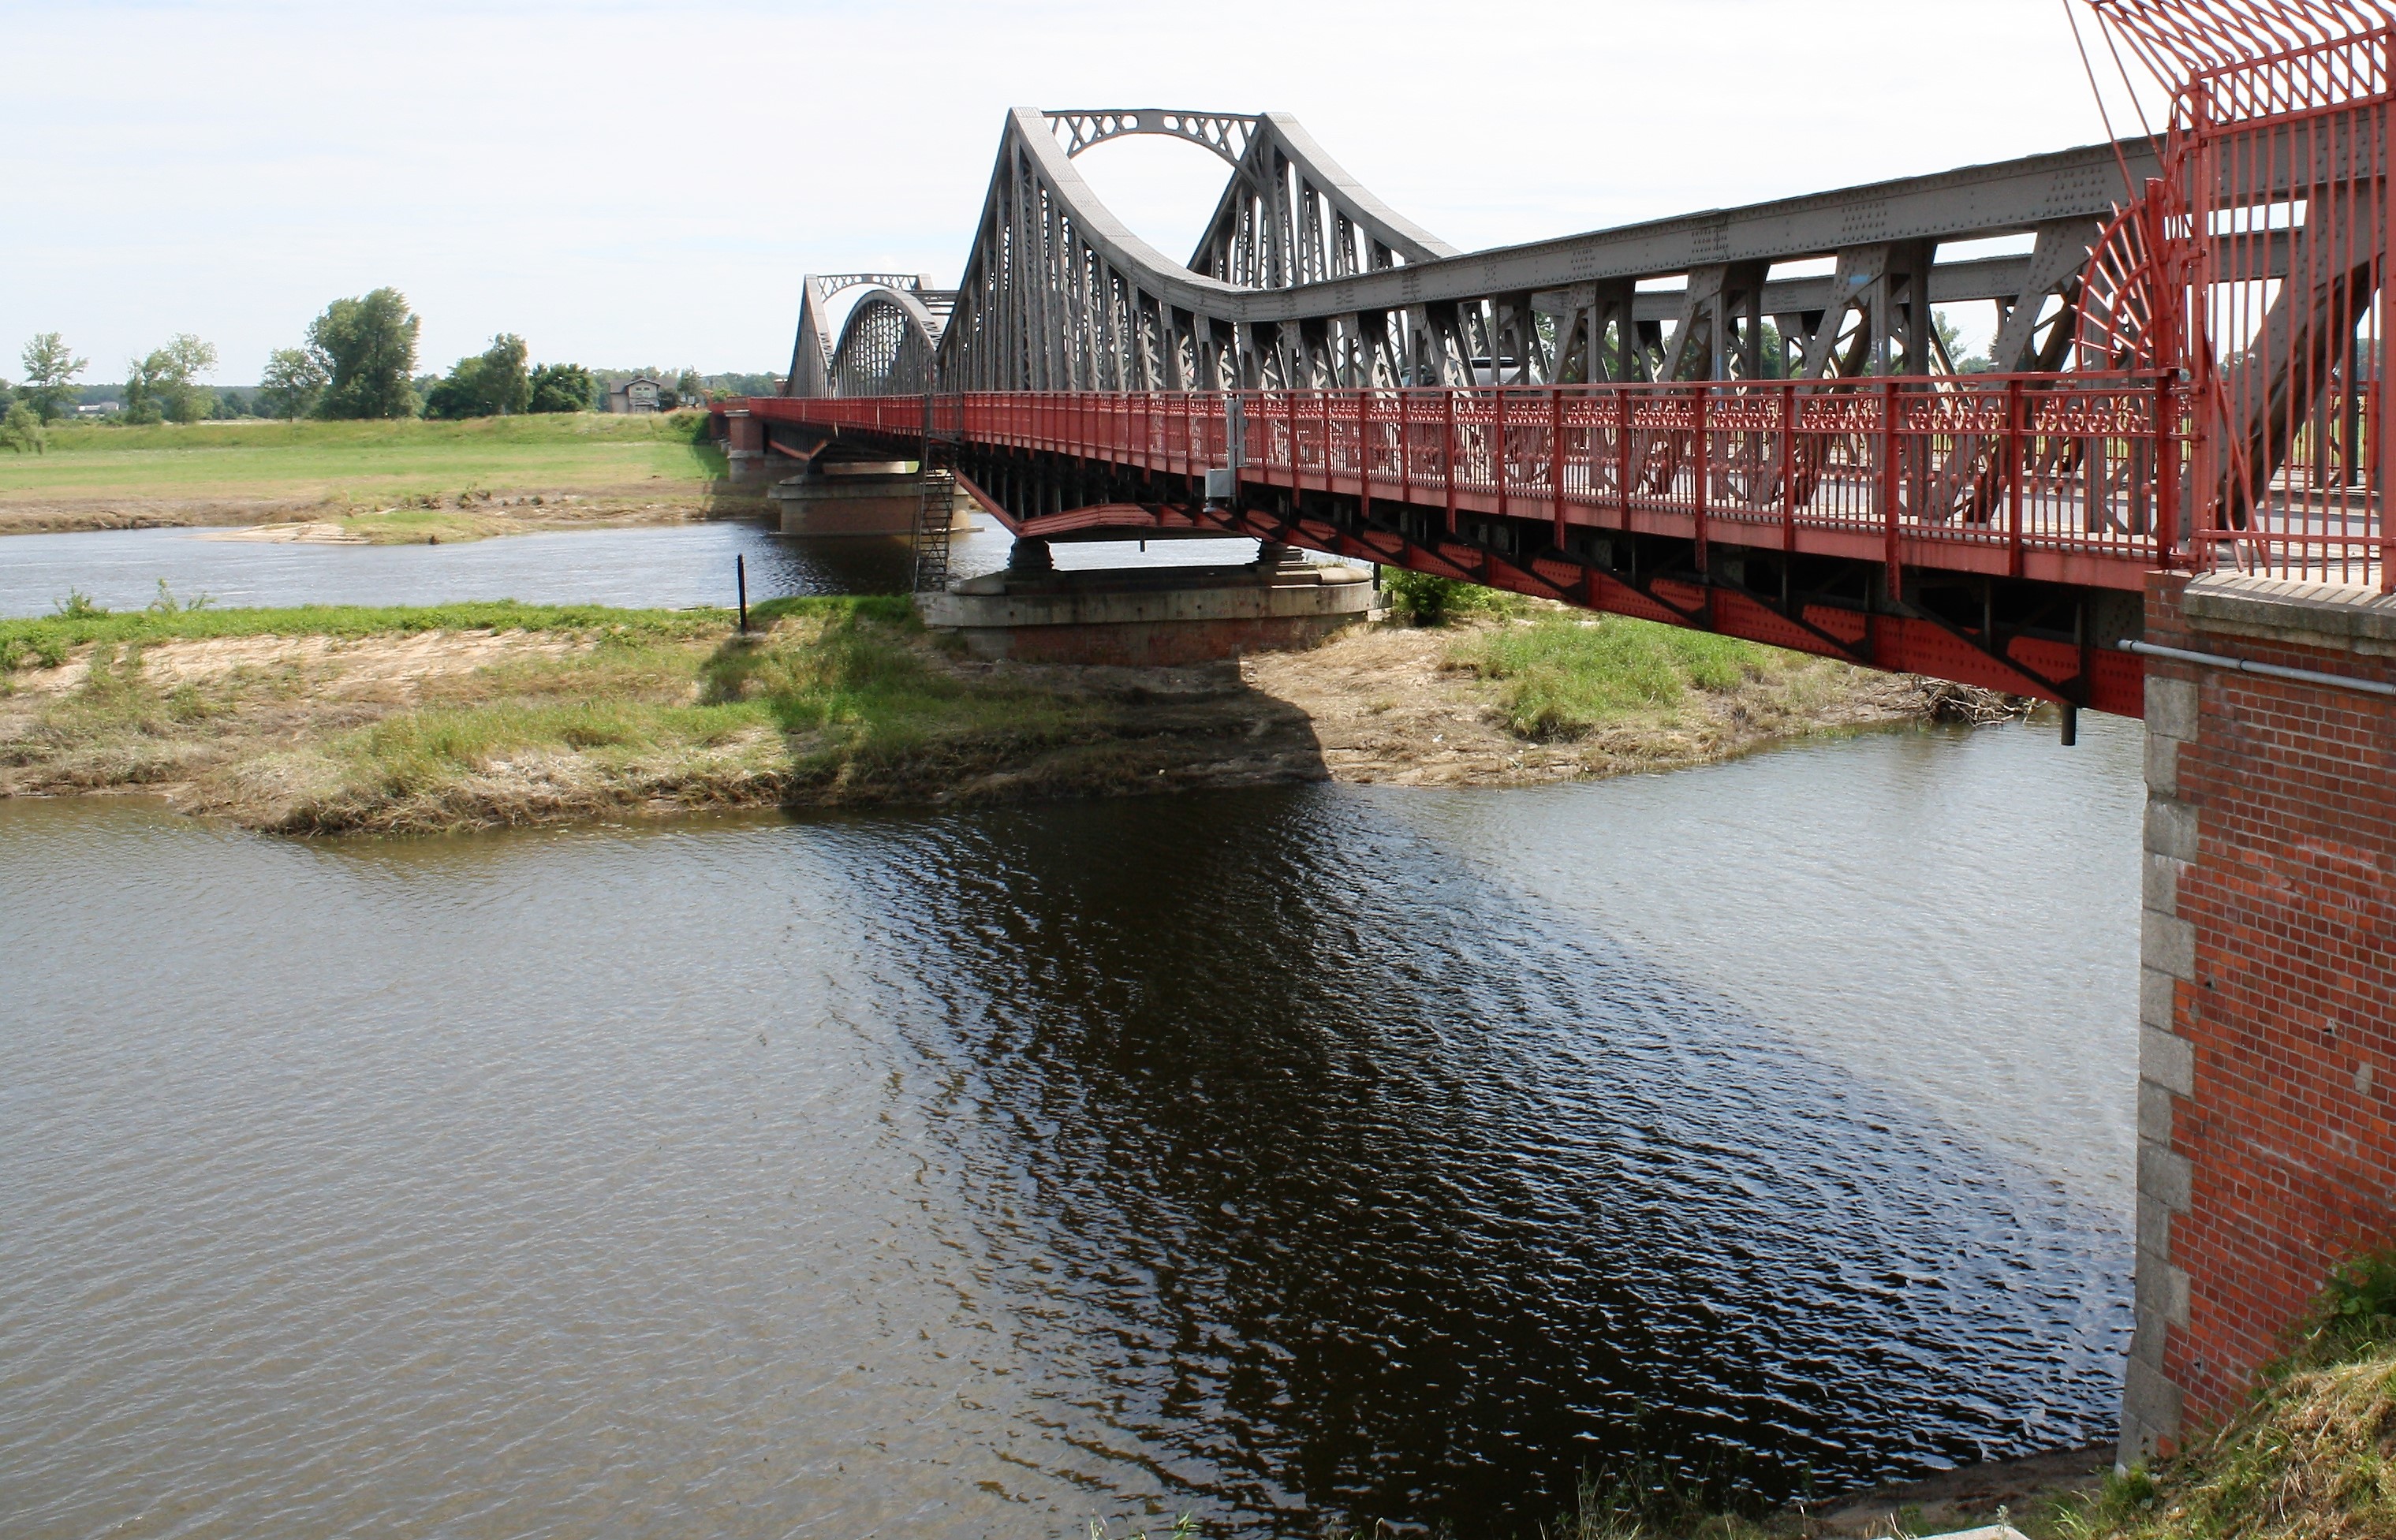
(1378, 1190)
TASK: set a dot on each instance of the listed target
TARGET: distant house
(100, 408)
(635, 395)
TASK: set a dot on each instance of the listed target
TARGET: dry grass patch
(339, 720)
(331, 722)
(2312, 1456)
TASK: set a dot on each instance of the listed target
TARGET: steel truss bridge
(1742, 420)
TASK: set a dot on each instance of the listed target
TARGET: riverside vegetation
(328, 719)
(578, 466)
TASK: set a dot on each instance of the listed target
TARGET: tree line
(357, 361)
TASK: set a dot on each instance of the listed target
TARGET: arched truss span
(1227, 133)
(1059, 294)
(811, 350)
(886, 345)
(1291, 215)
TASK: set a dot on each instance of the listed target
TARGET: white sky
(643, 184)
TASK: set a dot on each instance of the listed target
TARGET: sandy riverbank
(405, 724)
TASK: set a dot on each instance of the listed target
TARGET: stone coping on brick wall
(2277, 609)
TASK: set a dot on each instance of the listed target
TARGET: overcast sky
(645, 184)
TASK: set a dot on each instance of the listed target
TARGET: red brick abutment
(2268, 994)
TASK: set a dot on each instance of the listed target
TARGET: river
(1288, 1156)
(670, 567)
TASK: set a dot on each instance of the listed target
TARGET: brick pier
(2267, 999)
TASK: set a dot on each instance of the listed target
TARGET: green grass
(833, 694)
(46, 641)
(854, 685)
(841, 684)
(1421, 599)
(2312, 1457)
(830, 699)
(375, 464)
(1565, 676)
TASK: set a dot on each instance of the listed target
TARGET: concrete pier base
(865, 499)
(1149, 616)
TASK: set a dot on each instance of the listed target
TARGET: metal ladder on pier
(936, 508)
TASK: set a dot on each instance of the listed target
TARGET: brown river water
(1287, 1157)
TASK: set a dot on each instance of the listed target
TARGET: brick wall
(2268, 1000)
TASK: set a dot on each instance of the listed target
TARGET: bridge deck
(2035, 476)
(2015, 476)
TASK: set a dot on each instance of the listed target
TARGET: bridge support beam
(2267, 1148)
(877, 499)
(1149, 617)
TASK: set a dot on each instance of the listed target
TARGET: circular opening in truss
(1131, 120)
(1173, 123)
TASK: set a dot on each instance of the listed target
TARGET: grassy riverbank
(326, 720)
(2312, 1456)
(1567, 674)
(97, 476)
(330, 720)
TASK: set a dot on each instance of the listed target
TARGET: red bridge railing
(2076, 476)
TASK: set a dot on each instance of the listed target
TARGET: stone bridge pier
(2267, 1002)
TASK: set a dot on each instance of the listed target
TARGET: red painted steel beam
(1900, 644)
(987, 503)
(1131, 518)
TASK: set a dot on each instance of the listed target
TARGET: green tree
(50, 369)
(492, 383)
(22, 431)
(507, 388)
(145, 388)
(166, 384)
(1950, 337)
(294, 382)
(459, 394)
(367, 348)
(188, 358)
(689, 389)
(562, 387)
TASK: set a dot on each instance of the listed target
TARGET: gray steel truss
(1304, 279)
(885, 345)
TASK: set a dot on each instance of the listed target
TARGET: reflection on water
(668, 568)
(1289, 1155)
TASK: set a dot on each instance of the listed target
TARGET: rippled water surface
(1331, 1152)
(668, 568)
